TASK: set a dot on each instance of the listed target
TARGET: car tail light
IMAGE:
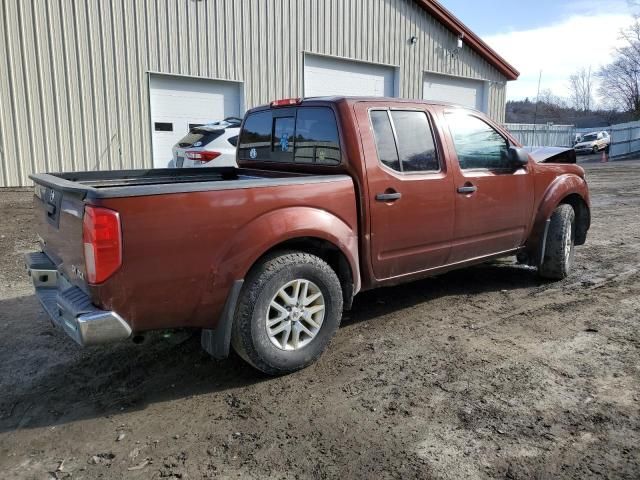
(201, 155)
(102, 239)
(286, 102)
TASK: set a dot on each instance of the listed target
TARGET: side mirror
(518, 156)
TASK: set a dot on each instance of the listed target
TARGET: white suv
(592, 142)
(209, 145)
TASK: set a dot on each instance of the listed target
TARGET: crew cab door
(410, 202)
(493, 197)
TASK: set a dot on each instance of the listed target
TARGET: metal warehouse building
(109, 84)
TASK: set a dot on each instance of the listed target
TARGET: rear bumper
(70, 308)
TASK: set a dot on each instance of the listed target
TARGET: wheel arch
(565, 189)
(327, 251)
(306, 229)
(582, 215)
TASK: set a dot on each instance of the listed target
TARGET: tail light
(201, 155)
(286, 102)
(102, 238)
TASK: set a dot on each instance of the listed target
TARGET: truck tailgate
(58, 218)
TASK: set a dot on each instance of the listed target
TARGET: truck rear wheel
(289, 309)
(559, 250)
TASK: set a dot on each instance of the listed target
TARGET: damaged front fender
(552, 154)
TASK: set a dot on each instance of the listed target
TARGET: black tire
(594, 149)
(249, 336)
(557, 261)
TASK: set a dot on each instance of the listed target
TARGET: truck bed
(183, 234)
(131, 183)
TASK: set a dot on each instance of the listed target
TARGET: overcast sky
(557, 37)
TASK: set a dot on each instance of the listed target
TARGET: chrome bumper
(70, 308)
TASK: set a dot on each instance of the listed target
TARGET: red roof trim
(450, 21)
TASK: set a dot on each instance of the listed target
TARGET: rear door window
(385, 140)
(404, 140)
(416, 147)
(292, 135)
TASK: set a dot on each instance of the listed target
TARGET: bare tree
(620, 80)
(581, 87)
(549, 98)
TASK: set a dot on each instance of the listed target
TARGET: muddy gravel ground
(483, 373)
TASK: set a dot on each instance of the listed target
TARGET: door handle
(388, 197)
(467, 189)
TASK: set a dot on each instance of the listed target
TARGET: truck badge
(77, 272)
(252, 153)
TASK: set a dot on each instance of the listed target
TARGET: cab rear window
(255, 136)
(306, 135)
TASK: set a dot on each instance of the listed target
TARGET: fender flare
(561, 188)
(265, 232)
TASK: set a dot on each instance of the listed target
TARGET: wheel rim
(295, 314)
(568, 244)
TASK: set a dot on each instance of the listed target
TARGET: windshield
(590, 137)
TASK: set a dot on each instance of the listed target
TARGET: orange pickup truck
(332, 196)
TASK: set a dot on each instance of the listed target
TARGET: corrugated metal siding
(74, 88)
(497, 100)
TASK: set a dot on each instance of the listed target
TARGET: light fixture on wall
(455, 52)
(413, 40)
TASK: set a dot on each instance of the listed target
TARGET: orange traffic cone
(604, 158)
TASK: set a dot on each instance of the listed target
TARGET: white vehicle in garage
(209, 145)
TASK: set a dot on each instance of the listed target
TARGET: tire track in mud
(486, 373)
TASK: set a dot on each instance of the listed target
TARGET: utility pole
(535, 114)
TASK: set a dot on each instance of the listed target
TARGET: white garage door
(180, 102)
(333, 76)
(461, 91)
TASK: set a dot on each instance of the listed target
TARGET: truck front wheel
(559, 249)
(289, 309)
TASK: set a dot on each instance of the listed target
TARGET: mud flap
(543, 244)
(217, 342)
